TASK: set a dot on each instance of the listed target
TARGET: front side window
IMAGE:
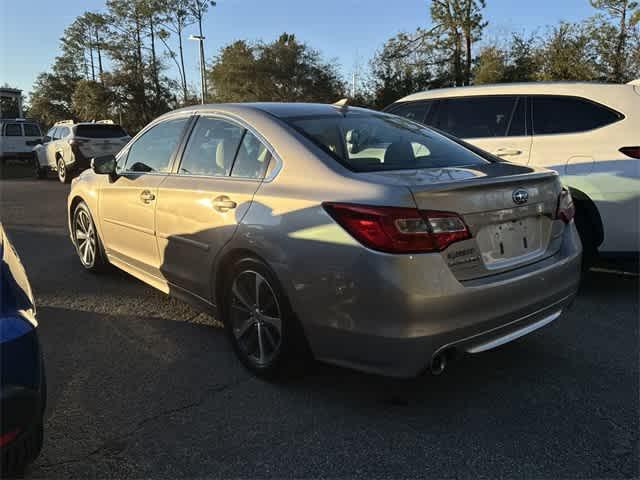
(518, 125)
(557, 114)
(31, 130)
(212, 147)
(416, 111)
(252, 159)
(366, 142)
(63, 132)
(13, 130)
(476, 117)
(153, 151)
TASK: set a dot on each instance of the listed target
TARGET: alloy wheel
(62, 171)
(256, 318)
(85, 236)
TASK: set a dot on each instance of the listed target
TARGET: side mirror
(104, 165)
(46, 139)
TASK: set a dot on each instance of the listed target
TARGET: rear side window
(31, 130)
(557, 114)
(100, 131)
(153, 151)
(476, 117)
(212, 147)
(416, 111)
(13, 130)
(252, 159)
(63, 132)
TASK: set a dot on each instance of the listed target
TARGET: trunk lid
(509, 210)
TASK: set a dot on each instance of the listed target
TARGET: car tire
(39, 171)
(22, 451)
(265, 334)
(86, 240)
(587, 237)
(63, 172)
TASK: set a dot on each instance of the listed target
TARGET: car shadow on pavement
(140, 385)
(137, 396)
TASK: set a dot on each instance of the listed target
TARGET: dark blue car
(22, 379)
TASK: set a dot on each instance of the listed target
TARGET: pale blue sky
(349, 31)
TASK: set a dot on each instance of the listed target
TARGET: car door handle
(223, 203)
(146, 196)
(507, 152)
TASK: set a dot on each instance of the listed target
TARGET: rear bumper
(16, 155)
(78, 162)
(397, 323)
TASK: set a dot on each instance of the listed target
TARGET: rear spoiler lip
(484, 181)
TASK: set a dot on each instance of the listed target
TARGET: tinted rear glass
(367, 142)
(569, 115)
(475, 117)
(100, 131)
(31, 130)
(518, 127)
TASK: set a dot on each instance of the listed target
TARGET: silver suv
(68, 147)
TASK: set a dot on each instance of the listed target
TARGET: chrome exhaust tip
(438, 364)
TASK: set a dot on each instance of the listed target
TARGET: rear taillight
(633, 152)
(566, 209)
(397, 229)
(76, 141)
(8, 437)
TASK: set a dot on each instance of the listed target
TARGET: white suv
(68, 147)
(588, 132)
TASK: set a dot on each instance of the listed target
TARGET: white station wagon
(588, 132)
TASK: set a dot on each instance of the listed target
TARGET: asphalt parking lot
(141, 385)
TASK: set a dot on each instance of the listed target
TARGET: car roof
(19, 120)
(277, 109)
(524, 88)
(87, 123)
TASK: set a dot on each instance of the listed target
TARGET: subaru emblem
(520, 197)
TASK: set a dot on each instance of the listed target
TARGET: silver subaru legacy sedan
(361, 238)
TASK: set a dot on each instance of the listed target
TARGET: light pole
(200, 39)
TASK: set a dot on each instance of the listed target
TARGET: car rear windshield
(369, 142)
(31, 130)
(100, 131)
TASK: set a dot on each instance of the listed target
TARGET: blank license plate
(512, 239)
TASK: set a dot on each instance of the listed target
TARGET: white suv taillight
(398, 229)
(566, 209)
